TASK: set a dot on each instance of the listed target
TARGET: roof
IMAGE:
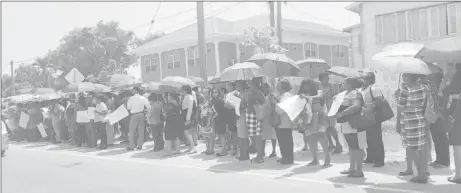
(348, 29)
(354, 7)
(228, 28)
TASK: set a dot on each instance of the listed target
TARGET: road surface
(43, 168)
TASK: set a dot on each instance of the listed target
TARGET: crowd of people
(427, 106)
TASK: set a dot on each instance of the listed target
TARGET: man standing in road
(137, 105)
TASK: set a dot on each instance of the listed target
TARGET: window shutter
(443, 27)
(416, 25)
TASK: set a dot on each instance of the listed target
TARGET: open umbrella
(177, 81)
(86, 87)
(397, 65)
(448, 49)
(196, 79)
(343, 71)
(241, 71)
(275, 65)
(157, 87)
(49, 96)
(399, 50)
(22, 98)
(312, 67)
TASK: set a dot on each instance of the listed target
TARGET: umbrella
(196, 79)
(399, 50)
(343, 71)
(39, 91)
(397, 65)
(241, 71)
(448, 49)
(86, 87)
(177, 81)
(158, 87)
(312, 67)
(22, 98)
(275, 65)
(49, 96)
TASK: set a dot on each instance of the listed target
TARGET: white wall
(356, 55)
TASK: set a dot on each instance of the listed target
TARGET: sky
(31, 29)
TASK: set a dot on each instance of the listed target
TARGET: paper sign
(74, 76)
(117, 115)
(23, 120)
(41, 129)
(235, 101)
(82, 117)
(292, 106)
(91, 112)
(337, 101)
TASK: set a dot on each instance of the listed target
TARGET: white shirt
(100, 108)
(137, 104)
(188, 103)
(194, 95)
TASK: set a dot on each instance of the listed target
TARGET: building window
(389, 28)
(242, 50)
(310, 50)
(452, 14)
(338, 51)
(153, 64)
(401, 26)
(191, 55)
(423, 23)
(435, 22)
(409, 24)
(173, 59)
(146, 63)
(379, 29)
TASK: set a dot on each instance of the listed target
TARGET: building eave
(349, 29)
(337, 34)
(354, 7)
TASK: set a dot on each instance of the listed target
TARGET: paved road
(42, 168)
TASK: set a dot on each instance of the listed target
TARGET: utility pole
(12, 76)
(272, 15)
(279, 22)
(201, 41)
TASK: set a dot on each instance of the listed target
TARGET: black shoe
(129, 149)
(378, 165)
(139, 148)
(367, 161)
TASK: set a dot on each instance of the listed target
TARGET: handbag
(429, 114)
(275, 117)
(259, 111)
(383, 111)
(362, 119)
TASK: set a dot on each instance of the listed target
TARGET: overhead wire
(153, 19)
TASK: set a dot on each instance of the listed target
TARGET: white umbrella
(275, 64)
(399, 50)
(448, 50)
(397, 65)
(241, 71)
(177, 81)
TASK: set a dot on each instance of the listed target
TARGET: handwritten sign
(337, 101)
(292, 106)
(41, 129)
(234, 101)
(117, 115)
(23, 120)
(91, 112)
(82, 117)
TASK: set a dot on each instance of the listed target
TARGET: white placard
(235, 101)
(117, 115)
(41, 129)
(337, 101)
(74, 76)
(292, 106)
(23, 120)
(91, 112)
(82, 117)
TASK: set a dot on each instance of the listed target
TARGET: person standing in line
(187, 111)
(220, 122)
(156, 121)
(35, 118)
(328, 94)
(453, 91)
(125, 122)
(137, 104)
(71, 119)
(411, 102)
(231, 119)
(81, 135)
(91, 127)
(315, 129)
(207, 121)
(355, 137)
(109, 128)
(372, 96)
(174, 123)
(117, 104)
(284, 130)
(254, 98)
(268, 131)
(100, 113)
(57, 112)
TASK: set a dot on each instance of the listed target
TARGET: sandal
(257, 160)
(273, 154)
(453, 180)
(406, 173)
(347, 172)
(356, 175)
(313, 163)
(419, 180)
(221, 154)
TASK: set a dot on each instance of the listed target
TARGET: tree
(152, 36)
(262, 40)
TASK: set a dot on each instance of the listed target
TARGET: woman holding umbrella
(411, 103)
(188, 107)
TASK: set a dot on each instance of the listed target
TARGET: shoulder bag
(361, 119)
(383, 110)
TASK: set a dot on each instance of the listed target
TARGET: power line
(153, 19)
(302, 12)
